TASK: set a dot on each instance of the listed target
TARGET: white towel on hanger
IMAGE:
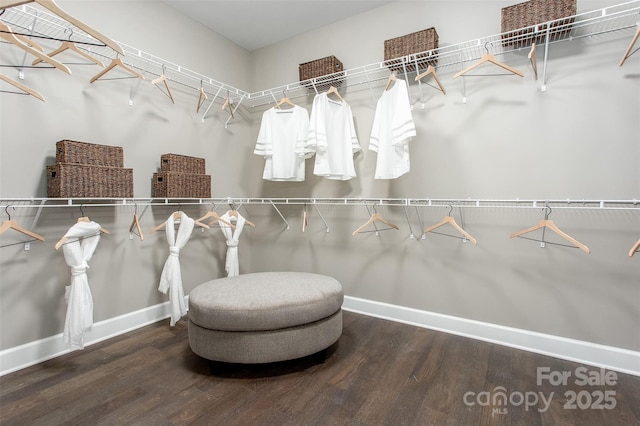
(171, 278)
(232, 264)
(83, 238)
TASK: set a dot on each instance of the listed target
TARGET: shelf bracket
(204, 114)
(546, 57)
(233, 111)
(534, 60)
(281, 216)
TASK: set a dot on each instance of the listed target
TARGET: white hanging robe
(83, 238)
(232, 265)
(171, 278)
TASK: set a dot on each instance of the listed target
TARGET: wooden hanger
(163, 79)
(22, 87)
(203, 97)
(282, 101)
(228, 104)
(546, 223)
(451, 221)
(176, 216)
(53, 7)
(634, 39)
(431, 70)
(533, 60)
(63, 240)
(374, 217)
(216, 218)
(86, 219)
(392, 78)
(28, 41)
(234, 213)
(8, 35)
(12, 224)
(491, 59)
(634, 249)
(68, 45)
(135, 227)
(334, 90)
(304, 218)
(116, 62)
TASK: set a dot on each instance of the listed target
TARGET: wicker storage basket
(73, 152)
(322, 70)
(536, 12)
(181, 185)
(81, 181)
(182, 164)
(418, 42)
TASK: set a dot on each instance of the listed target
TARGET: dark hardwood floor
(379, 373)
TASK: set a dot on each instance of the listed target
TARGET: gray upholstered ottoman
(265, 317)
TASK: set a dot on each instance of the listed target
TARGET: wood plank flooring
(379, 373)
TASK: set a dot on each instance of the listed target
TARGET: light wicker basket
(82, 181)
(182, 164)
(536, 12)
(74, 152)
(409, 44)
(181, 185)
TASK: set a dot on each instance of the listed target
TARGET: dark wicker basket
(182, 164)
(181, 185)
(81, 181)
(409, 44)
(535, 12)
(73, 152)
(324, 71)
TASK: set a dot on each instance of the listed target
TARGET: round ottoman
(264, 317)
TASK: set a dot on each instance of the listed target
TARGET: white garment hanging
(171, 278)
(232, 265)
(282, 142)
(83, 239)
(392, 129)
(332, 136)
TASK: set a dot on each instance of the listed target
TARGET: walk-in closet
(468, 172)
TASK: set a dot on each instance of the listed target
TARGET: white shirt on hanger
(281, 141)
(333, 137)
(392, 129)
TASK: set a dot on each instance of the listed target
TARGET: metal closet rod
(632, 204)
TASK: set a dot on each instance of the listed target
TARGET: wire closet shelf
(451, 58)
(631, 204)
(35, 22)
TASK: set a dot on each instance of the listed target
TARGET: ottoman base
(255, 347)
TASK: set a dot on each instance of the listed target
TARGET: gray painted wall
(578, 140)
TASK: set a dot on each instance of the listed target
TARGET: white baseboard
(31, 353)
(609, 357)
(622, 360)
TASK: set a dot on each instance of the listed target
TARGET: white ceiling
(253, 24)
